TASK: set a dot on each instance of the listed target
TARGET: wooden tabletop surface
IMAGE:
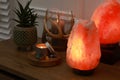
(17, 63)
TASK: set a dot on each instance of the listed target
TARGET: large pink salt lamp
(107, 20)
(83, 49)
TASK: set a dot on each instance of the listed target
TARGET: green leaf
(26, 16)
(16, 20)
(20, 6)
(28, 4)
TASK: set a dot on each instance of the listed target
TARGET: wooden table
(17, 63)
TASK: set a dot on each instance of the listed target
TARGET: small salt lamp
(107, 19)
(83, 48)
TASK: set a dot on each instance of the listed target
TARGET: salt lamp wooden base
(110, 53)
(44, 62)
(84, 72)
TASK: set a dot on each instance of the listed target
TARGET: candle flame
(41, 46)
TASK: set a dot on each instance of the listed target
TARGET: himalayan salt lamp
(83, 48)
(107, 20)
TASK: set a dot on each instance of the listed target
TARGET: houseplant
(25, 32)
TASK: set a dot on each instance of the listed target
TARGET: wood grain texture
(17, 63)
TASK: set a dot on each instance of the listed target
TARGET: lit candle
(41, 46)
(41, 51)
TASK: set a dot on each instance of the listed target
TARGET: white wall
(64, 5)
(80, 8)
(90, 6)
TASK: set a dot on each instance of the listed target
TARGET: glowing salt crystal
(83, 49)
(107, 20)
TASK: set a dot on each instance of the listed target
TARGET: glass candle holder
(41, 51)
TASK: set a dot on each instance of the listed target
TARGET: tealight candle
(41, 51)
